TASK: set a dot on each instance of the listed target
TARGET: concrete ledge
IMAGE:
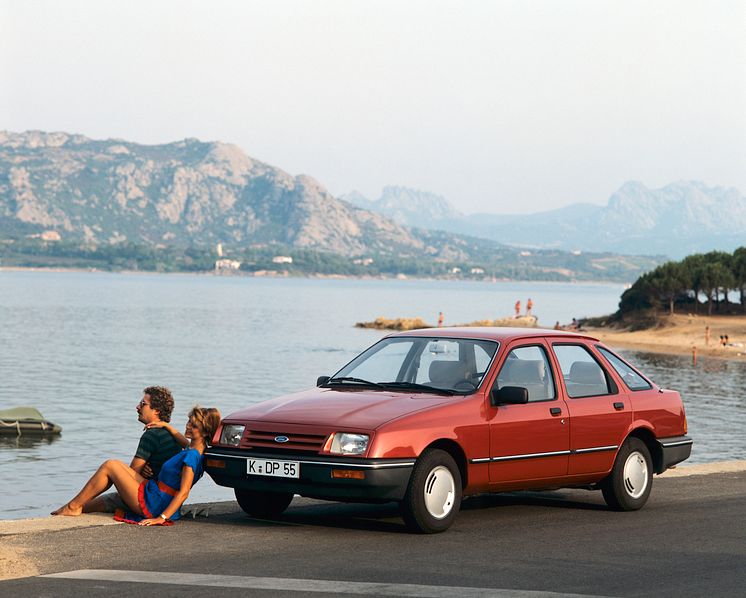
(52, 524)
(11, 527)
(705, 469)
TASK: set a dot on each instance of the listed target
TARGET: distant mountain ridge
(675, 220)
(194, 193)
(411, 207)
(185, 192)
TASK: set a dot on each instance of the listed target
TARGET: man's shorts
(112, 502)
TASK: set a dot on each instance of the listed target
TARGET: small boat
(25, 420)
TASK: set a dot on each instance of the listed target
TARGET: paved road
(690, 540)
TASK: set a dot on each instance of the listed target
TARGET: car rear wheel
(628, 486)
(263, 504)
(433, 496)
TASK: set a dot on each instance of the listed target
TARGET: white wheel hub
(440, 490)
(635, 474)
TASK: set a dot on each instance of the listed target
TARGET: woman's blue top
(151, 495)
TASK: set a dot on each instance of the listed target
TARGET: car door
(600, 413)
(529, 441)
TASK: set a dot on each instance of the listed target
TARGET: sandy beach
(680, 334)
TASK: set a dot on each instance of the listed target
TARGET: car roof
(503, 335)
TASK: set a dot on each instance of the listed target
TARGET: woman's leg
(110, 502)
(110, 472)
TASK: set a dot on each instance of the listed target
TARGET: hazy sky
(499, 106)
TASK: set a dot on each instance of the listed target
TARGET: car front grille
(264, 441)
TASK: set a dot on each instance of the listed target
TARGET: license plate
(271, 467)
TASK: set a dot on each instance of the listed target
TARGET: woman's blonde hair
(207, 419)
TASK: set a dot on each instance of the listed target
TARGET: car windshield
(444, 365)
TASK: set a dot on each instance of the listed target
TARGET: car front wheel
(263, 504)
(433, 496)
(628, 486)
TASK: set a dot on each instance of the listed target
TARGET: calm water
(82, 346)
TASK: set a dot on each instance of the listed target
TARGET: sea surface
(81, 346)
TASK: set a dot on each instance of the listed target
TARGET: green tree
(639, 296)
(693, 269)
(670, 281)
(738, 267)
(715, 275)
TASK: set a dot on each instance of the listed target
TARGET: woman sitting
(155, 501)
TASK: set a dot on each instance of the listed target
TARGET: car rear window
(631, 378)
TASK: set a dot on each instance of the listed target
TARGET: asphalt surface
(689, 540)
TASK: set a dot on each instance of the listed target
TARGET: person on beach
(441, 318)
(517, 308)
(155, 501)
(156, 444)
(529, 306)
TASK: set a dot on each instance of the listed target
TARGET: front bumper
(385, 479)
(675, 450)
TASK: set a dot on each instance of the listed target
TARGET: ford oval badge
(281, 439)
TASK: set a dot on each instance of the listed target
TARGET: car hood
(362, 409)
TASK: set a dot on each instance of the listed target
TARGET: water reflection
(75, 343)
(26, 441)
(712, 394)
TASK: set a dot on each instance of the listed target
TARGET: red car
(427, 417)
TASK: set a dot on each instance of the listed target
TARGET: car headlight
(231, 434)
(349, 444)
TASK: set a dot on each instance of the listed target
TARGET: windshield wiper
(416, 386)
(353, 380)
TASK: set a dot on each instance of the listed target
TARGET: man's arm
(145, 449)
(181, 440)
(137, 464)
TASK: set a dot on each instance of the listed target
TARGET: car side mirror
(322, 380)
(508, 395)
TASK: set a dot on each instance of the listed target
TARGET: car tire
(263, 504)
(629, 484)
(433, 496)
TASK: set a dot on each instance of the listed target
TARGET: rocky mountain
(184, 192)
(409, 206)
(114, 193)
(675, 220)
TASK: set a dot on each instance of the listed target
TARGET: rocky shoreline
(383, 323)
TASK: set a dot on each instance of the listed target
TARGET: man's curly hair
(161, 400)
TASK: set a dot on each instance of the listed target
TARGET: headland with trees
(695, 306)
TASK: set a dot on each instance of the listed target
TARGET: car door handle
(555, 411)
(618, 406)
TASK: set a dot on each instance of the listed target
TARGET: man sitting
(156, 445)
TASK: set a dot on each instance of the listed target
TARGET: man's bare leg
(95, 505)
(100, 505)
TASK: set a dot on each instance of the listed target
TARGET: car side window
(528, 367)
(629, 376)
(582, 374)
